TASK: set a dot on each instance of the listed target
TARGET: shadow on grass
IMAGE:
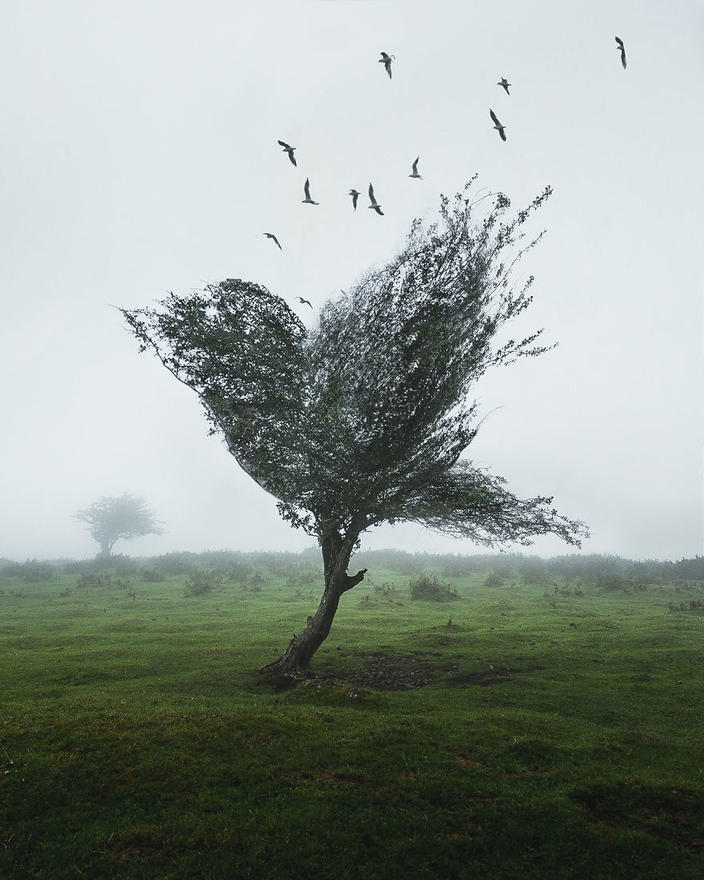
(675, 815)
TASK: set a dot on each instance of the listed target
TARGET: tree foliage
(364, 418)
(113, 518)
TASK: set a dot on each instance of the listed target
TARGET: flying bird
(504, 83)
(497, 125)
(273, 238)
(355, 195)
(306, 189)
(622, 48)
(386, 60)
(302, 301)
(415, 169)
(375, 206)
(289, 149)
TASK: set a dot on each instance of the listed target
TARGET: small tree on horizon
(111, 519)
(363, 419)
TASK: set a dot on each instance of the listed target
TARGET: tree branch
(353, 580)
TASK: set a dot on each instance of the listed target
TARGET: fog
(139, 155)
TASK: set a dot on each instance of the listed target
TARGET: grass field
(542, 730)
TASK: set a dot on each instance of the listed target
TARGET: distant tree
(123, 517)
(363, 419)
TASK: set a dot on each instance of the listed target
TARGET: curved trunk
(294, 661)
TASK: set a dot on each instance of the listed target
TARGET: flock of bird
(374, 205)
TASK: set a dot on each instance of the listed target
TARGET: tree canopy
(113, 518)
(364, 418)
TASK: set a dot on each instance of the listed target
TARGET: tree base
(280, 670)
(293, 664)
(288, 666)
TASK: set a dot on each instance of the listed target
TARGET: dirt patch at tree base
(404, 672)
(381, 672)
(393, 673)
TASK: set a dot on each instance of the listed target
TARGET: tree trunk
(294, 661)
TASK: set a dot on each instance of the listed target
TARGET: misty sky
(139, 155)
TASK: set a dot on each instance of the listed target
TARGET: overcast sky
(139, 155)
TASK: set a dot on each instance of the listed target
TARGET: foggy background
(139, 155)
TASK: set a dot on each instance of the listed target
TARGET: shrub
(494, 580)
(281, 565)
(94, 579)
(304, 577)
(692, 605)
(238, 571)
(386, 589)
(430, 588)
(533, 571)
(153, 575)
(378, 600)
(121, 583)
(118, 563)
(175, 563)
(613, 582)
(200, 582)
(31, 572)
(72, 566)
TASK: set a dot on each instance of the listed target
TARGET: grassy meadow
(511, 724)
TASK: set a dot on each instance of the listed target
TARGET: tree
(363, 419)
(111, 519)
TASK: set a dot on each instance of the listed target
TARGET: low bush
(94, 579)
(252, 588)
(198, 583)
(31, 572)
(72, 566)
(153, 575)
(386, 589)
(430, 588)
(613, 582)
(692, 605)
(118, 563)
(175, 563)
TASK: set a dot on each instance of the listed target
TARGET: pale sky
(139, 155)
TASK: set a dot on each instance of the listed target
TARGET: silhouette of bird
(415, 169)
(273, 238)
(386, 60)
(289, 149)
(497, 125)
(375, 206)
(355, 195)
(302, 301)
(504, 83)
(622, 48)
(306, 189)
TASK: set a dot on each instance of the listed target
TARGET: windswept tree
(123, 517)
(363, 419)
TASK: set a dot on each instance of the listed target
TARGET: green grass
(561, 736)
